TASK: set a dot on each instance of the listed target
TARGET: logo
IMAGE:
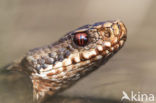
(137, 96)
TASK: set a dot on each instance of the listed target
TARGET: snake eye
(81, 39)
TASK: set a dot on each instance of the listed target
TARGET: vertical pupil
(81, 39)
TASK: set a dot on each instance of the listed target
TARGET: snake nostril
(107, 34)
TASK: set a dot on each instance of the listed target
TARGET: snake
(57, 66)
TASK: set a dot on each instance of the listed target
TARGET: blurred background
(26, 24)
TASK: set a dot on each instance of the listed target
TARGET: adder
(57, 66)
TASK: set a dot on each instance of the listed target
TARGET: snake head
(56, 67)
(100, 39)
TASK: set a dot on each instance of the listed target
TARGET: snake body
(57, 66)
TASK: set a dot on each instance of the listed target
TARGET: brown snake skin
(57, 66)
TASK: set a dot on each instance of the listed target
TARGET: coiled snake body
(57, 66)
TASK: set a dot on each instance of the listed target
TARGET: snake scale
(57, 66)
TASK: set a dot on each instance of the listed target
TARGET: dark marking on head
(41, 61)
(84, 27)
(60, 57)
(44, 66)
(98, 23)
(52, 54)
(70, 47)
(66, 53)
(49, 60)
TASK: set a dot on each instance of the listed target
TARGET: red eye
(81, 39)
